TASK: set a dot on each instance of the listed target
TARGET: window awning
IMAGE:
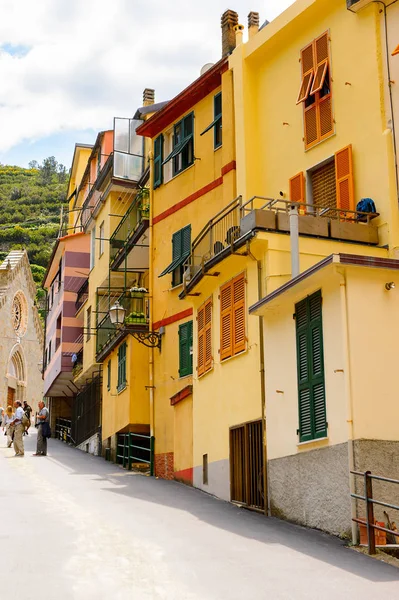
(214, 122)
(177, 262)
(179, 148)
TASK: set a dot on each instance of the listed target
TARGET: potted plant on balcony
(144, 203)
(137, 292)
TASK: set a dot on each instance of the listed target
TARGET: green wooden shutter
(185, 346)
(310, 366)
(109, 375)
(158, 159)
(176, 244)
(122, 367)
(186, 240)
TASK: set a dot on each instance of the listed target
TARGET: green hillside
(30, 204)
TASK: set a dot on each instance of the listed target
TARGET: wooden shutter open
(344, 178)
(239, 337)
(158, 159)
(201, 340)
(321, 62)
(307, 63)
(208, 334)
(226, 320)
(297, 191)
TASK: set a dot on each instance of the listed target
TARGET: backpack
(25, 420)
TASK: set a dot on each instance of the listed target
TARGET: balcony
(237, 222)
(136, 305)
(82, 295)
(128, 150)
(130, 234)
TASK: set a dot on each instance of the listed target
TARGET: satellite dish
(206, 68)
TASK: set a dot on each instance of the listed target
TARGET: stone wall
(92, 445)
(312, 488)
(164, 465)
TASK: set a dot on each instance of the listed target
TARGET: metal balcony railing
(136, 305)
(137, 213)
(82, 295)
(219, 233)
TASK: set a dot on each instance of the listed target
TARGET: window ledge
(122, 389)
(226, 360)
(206, 372)
(181, 172)
(217, 148)
(313, 443)
(175, 287)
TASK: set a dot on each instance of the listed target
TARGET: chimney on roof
(148, 97)
(253, 23)
(229, 21)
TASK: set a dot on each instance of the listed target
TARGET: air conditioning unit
(356, 5)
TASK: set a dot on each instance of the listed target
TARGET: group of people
(16, 424)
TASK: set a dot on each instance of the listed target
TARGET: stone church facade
(21, 333)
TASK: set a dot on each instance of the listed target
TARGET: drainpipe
(151, 360)
(262, 386)
(294, 239)
(349, 399)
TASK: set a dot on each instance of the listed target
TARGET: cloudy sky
(67, 67)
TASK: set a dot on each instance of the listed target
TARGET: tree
(48, 168)
(62, 173)
(33, 164)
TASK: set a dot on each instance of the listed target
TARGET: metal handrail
(126, 457)
(305, 209)
(370, 501)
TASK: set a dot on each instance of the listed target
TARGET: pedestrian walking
(42, 425)
(18, 429)
(7, 426)
(28, 412)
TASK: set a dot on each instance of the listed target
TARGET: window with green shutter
(182, 154)
(310, 366)
(216, 124)
(122, 367)
(158, 159)
(181, 248)
(109, 375)
(186, 349)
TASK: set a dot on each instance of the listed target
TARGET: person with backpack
(43, 430)
(19, 426)
(28, 412)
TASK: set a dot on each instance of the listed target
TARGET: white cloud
(73, 64)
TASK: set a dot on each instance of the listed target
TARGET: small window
(181, 248)
(88, 324)
(122, 367)
(49, 352)
(182, 154)
(205, 469)
(216, 124)
(92, 247)
(101, 244)
(109, 375)
(58, 332)
(186, 349)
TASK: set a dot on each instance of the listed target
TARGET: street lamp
(117, 315)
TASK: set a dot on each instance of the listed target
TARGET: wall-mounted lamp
(117, 314)
(390, 286)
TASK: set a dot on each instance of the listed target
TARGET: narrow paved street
(74, 527)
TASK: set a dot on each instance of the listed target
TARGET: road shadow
(223, 515)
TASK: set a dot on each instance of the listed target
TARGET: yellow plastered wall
(129, 407)
(267, 76)
(183, 439)
(78, 167)
(230, 393)
(281, 369)
(373, 322)
(165, 299)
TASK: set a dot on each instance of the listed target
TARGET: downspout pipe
(349, 399)
(294, 239)
(151, 286)
(266, 507)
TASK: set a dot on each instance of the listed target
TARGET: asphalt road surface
(74, 527)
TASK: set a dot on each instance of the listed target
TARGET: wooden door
(10, 397)
(246, 464)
